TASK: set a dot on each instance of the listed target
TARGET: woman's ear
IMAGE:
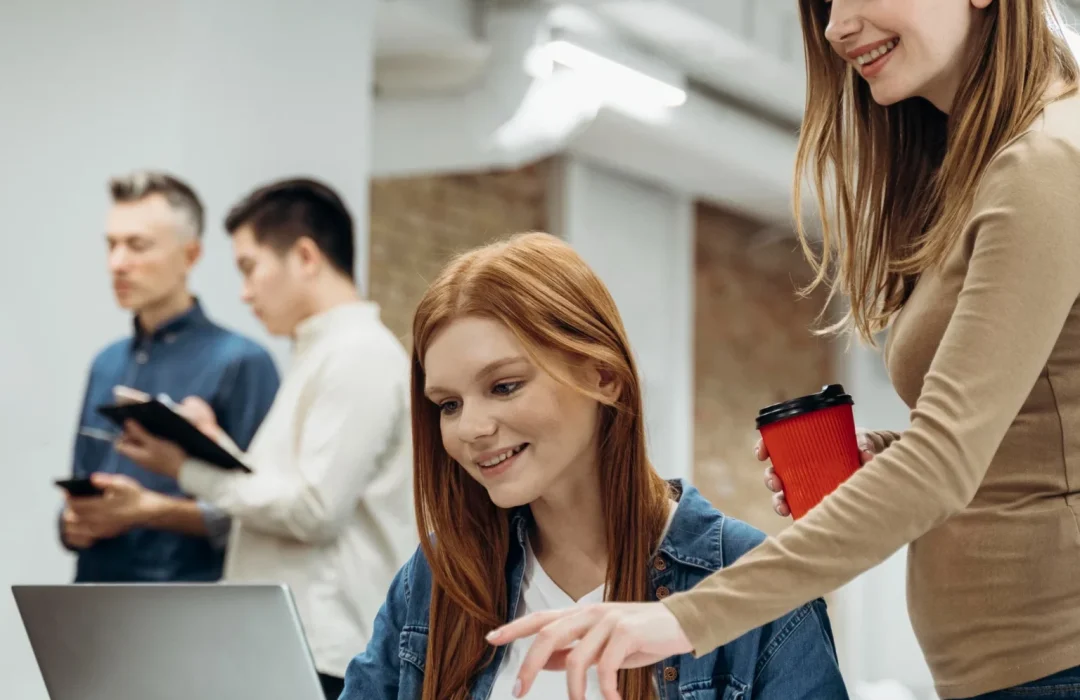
(607, 383)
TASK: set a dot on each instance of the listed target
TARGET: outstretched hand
(609, 636)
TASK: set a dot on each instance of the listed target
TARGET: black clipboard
(163, 422)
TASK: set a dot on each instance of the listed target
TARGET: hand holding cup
(812, 444)
(869, 445)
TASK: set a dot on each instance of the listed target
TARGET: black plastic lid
(831, 395)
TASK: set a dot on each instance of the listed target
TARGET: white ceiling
(748, 49)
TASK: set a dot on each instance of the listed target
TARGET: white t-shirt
(539, 593)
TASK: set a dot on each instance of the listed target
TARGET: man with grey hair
(144, 528)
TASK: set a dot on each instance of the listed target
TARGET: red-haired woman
(534, 492)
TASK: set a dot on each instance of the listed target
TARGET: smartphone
(79, 487)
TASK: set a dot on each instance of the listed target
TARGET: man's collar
(193, 316)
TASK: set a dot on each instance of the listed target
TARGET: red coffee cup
(811, 442)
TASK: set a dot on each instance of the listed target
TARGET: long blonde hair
(895, 184)
(557, 307)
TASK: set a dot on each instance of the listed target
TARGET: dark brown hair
(283, 212)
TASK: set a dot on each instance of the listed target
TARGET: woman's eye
(448, 407)
(506, 388)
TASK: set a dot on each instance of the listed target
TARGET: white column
(226, 94)
(640, 240)
(874, 631)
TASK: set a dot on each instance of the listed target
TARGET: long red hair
(563, 315)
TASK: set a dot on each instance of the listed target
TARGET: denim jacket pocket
(720, 687)
(413, 646)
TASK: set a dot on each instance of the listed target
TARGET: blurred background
(657, 136)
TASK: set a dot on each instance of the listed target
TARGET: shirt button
(670, 673)
(662, 592)
(141, 357)
(659, 564)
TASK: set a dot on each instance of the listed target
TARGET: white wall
(875, 632)
(640, 240)
(227, 94)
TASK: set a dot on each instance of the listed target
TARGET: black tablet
(165, 423)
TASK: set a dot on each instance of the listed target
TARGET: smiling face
(905, 48)
(513, 427)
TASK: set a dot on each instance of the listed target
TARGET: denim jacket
(789, 659)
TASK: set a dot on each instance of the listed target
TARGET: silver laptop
(168, 642)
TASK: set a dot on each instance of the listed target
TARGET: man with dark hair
(283, 212)
(144, 528)
(328, 506)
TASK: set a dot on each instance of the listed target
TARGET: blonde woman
(943, 139)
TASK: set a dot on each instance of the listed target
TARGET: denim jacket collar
(694, 538)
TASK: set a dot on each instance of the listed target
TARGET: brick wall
(752, 348)
(419, 223)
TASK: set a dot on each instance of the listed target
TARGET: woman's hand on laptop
(609, 636)
(869, 445)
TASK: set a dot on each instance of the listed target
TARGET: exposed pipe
(486, 128)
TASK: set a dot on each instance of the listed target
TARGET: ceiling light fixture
(608, 76)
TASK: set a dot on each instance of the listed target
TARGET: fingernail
(517, 688)
(492, 635)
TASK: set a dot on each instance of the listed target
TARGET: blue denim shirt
(187, 356)
(789, 659)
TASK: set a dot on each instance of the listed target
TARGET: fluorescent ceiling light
(606, 75)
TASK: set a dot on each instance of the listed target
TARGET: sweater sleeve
(345, 434)
(1022, 280)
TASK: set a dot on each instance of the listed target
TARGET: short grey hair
(141, 184)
